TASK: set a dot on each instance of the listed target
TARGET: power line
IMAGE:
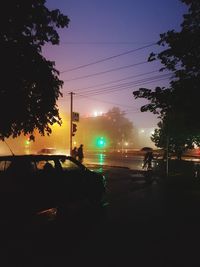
(102, 101)
(95, 99)
(98, 100)
(107, 71)
(119, 80)
(115, 90)
(131, 110)
(108, 58)
(104, 43)
(128, 85)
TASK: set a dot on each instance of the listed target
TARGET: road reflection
(117, 160)
(101, 158)
(133, 162)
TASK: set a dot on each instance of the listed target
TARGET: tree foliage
(30, 85)
(178, 105)
(113, 125)
(119, 127)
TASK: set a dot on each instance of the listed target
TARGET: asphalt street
(133, 162)
(140, 225)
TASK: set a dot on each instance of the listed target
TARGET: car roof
(35, 157)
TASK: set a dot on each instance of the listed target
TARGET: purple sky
(104, 28)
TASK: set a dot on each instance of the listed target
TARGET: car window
(4, 165)
(21, 166)
(30, 166)
(69, 165)
(17, 166)
(45, 164)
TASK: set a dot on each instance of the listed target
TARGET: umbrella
(146, 149)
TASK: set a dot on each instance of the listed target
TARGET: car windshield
(67, 164)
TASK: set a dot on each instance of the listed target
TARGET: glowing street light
(97, 113)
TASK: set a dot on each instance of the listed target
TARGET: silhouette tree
(119, 127)
(178, 105)
(113, 126)
(30, 85)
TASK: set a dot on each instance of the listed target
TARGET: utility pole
(74, 117)
(70, 128)
(167, 160)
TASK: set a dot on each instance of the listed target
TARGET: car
(47, 151)
(32, 183)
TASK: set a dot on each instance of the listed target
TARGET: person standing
(148, 160)
(80, 153)
(74, 152)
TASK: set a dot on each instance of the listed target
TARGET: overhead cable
(119, 80)
(103, 101)
(127, 84)
(107, 71)
(108, 58)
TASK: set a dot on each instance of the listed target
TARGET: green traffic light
(101, 142)
(27, 142)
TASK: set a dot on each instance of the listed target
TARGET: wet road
(154, 225)
(130, 161)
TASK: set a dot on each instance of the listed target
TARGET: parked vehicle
(31, 183)
(47, 151)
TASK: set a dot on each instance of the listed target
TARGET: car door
(73, 179)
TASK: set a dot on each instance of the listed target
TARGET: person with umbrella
(148, 157)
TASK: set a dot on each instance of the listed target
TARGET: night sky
(99, 30)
